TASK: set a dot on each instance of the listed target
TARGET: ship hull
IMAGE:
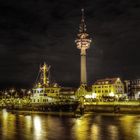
(49, 107)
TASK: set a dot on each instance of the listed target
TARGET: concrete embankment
(25, 112)
(128, 107)
(134, 109)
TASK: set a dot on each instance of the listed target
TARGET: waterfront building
(83, 91)
(127, 87)
(108, 87)
(134, 89)
(83, 43)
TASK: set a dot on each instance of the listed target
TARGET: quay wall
(112, 108)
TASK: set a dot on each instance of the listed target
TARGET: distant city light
(111, 94)
(88, 96)
(39, 89)
(93, 95)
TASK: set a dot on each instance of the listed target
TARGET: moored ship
(49, 96)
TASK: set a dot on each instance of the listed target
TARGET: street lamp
(11, 92)
(23, 92)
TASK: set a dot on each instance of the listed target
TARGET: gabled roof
(106, 81)
(85, 87)
(88, 88)
(67, 89)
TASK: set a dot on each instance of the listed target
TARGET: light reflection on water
(88, 127)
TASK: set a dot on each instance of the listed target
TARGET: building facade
(134, 89)
(108, 87)
(127, 87)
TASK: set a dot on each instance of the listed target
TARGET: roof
(88, 88)
(106, 81)
(67, 89)
(85, 87)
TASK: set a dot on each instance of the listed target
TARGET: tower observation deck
(83, 43)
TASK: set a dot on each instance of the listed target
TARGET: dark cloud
(35, 31)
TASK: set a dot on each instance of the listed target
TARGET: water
(87, 127)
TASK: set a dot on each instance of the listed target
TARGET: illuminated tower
(83, 43)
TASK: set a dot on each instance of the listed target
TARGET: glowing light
(93, 95)
(111, 94)
(29, 92)
(117, 96)
(118, 78)
(39, 89)
(81, 125)
(88, 96)
(127, 122)
(5, 113)
(12, 90)
(29, 123)
(95, 132)
(37, 124)
(113, 130)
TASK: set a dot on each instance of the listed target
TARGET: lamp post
(11, 92)
(23, 92)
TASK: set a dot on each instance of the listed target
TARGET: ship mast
(44, 74)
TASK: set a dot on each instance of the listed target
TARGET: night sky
(34, 31)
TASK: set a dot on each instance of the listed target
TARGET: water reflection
(113, 131)
(95, 132)
(129, 125)
(81, 129)
(138, 129)
(88, 127)
(7, 123)
(37, 125)
(28, 126)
